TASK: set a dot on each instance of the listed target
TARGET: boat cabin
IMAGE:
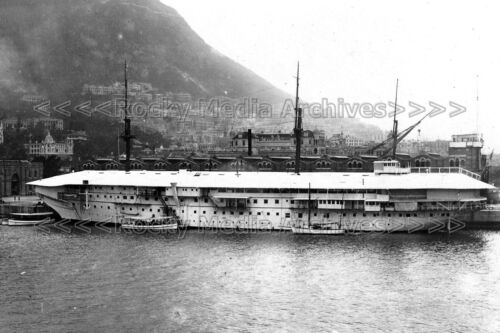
(389, 167)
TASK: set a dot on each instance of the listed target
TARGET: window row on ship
(360, 203)
(190, 191)
(315, 214)
(298, 190)
(325, 204)
(286, 214)
(130, 209)
(180, 190)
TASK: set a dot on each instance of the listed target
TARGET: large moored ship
(389, 199)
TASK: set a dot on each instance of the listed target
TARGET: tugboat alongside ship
(389, 199)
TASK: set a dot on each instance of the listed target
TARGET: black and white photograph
(249, 166)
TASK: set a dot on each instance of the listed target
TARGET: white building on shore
(50, 147)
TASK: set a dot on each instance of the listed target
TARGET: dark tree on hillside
(13, 147)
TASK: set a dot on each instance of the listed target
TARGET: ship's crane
(396, 137)
(399, 137)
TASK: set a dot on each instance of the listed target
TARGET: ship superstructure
(391, 198)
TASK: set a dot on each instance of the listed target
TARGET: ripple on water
(249, 282)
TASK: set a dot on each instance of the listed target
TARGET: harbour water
(203, 281)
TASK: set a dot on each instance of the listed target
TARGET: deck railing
(446, 170)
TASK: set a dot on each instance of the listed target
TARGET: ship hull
(378, 224)
(353, 222)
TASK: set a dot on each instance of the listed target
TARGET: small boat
(317, 228)
(317, 231)
(155, 223)
(35, 218)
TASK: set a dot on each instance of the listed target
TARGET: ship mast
(298, 126)
(309, 206)
(395, 125)
(127, 136)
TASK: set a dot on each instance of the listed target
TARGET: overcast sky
(441, 51)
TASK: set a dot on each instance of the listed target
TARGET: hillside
(53, 48)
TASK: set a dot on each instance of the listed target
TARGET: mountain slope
(53, 48)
